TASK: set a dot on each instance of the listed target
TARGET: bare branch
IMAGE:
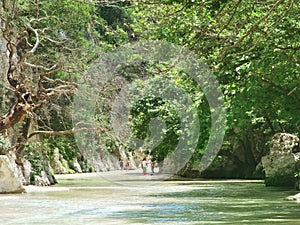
(231, 17)
(62, 132)
(26, 64)
(16, 114)
(37, 42)
(252, 28)
(280, 88)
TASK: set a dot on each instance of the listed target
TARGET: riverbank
(120, 178)
(100, 179)
(68, 182)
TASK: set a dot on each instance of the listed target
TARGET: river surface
(131, 198)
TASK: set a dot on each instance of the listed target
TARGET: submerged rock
(283, 162)
(9, 180)
(295, 197)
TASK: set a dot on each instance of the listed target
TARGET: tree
(253, 49)
(46, 44)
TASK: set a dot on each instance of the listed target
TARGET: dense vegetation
(252, 48)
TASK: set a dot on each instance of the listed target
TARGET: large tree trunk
(16, 113)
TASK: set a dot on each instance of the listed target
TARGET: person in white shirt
(144, 166)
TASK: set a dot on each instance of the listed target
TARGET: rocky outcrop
(130, 162)
(9, 180)
(56, 163)
(22, 171)
(74, 165)
(62, 166)
(42, 179)
(101, 160)
(283, 161)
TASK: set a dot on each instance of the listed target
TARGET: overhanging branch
(63, 132)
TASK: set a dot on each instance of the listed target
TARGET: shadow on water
(209, 202)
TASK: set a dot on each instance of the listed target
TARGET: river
(125, 197)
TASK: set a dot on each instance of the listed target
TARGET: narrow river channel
(131, 198)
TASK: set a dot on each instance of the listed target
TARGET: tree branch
(16, 113)
(280, 88)
(62, 132)
(252, 28)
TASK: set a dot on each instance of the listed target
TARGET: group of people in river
(148, 163)
(145, 164)
(124, 164)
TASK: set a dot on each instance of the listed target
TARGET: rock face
(74, 165)
(283, 161)
(56, 163)
(107, 163)
(23, 174)
(9, 182)
(42, 180)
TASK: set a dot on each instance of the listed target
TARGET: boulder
(283, 161)
(9, 180)
(284, 143)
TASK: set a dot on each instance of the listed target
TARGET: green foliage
(104, 27)
(66, 145)
(63, 27)
(144, 109)
(113, 25)
(4, 145)
(37, 158)
(253, 50)
(142, 113)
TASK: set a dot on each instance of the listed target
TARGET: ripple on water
(172, 202)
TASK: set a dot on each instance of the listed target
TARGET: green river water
(137, 199)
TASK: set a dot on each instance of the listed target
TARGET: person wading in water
(144, 166)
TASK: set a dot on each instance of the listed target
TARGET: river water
(131, 198)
